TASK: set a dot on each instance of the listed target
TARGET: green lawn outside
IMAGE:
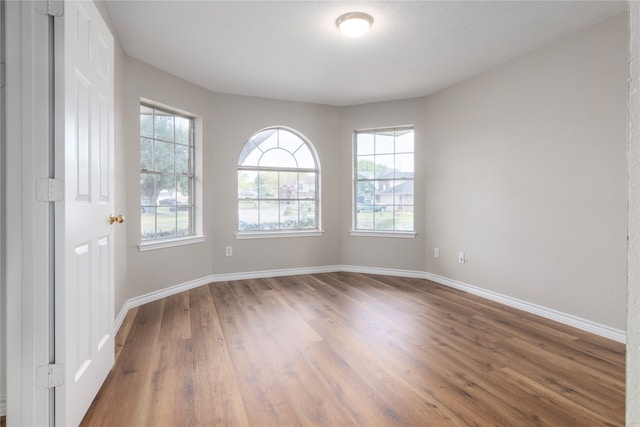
(166, 221)
(384, 220)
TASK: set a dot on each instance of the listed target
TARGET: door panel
(84, 237)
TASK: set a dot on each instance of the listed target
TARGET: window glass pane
(247, 184)
(166, 222)
(365, 167)
(307, 185)
(365, 192)
(182, 126)
(266, 140)
(166, 189)
(163, 126)
(146, 123)
(404, 218)
(183, 160)
(383, 188)
(289, 141)
(268, 185)
(384, 166)
(147, 222)
(263, 135)
(163, 158)
(308, 215)
(288, 185)
(289, 214)
(383, 220)
(248, 215)
(147, 207)
(269, 215)
(184, 184)
(146, 154)
(365, 143)
(385, 142)
(404, 141)
(304, 158)
(147, 189)
(250, 155)
(185, 227)
(403, 190)
(277, 158)
(364, 219)
(404, 166)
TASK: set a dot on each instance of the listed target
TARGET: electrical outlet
(436, 252)
(228, 251)
(461, 258)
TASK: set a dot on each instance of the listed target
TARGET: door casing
(26, 220)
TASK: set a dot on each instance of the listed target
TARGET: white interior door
(84, 237)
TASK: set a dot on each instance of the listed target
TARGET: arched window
(278, 183)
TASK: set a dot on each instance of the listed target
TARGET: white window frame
(285, 233)
(359, 232)
(197, 235)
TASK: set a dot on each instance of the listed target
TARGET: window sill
(169, 243)
(277, 234)
(374, 233)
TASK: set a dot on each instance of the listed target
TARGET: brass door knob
(113, 218)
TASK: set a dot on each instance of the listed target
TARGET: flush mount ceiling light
(354, 24)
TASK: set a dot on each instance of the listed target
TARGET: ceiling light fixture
(354, 24)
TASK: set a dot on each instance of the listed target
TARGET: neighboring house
(399, 195)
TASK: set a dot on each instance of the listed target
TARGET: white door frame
(27, 275)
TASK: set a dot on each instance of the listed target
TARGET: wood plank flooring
(347, 349)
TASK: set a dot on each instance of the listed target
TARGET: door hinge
(50, 7)
(50, 376)
(49, 190)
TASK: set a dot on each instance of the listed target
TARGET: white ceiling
(292, 50)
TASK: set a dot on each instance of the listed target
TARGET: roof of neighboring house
(404, 187)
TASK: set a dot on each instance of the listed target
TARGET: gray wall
(527, 175)
(523, 168)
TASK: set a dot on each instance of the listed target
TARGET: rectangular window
(383, 183)
(166, 174)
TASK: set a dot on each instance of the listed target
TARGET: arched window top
(278, 148)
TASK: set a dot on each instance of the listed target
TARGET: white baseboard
(173, 290)
(567, 319)
(3, 406)
(558, 316)
(383, 271)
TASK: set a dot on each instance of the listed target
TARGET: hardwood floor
(342, 349)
